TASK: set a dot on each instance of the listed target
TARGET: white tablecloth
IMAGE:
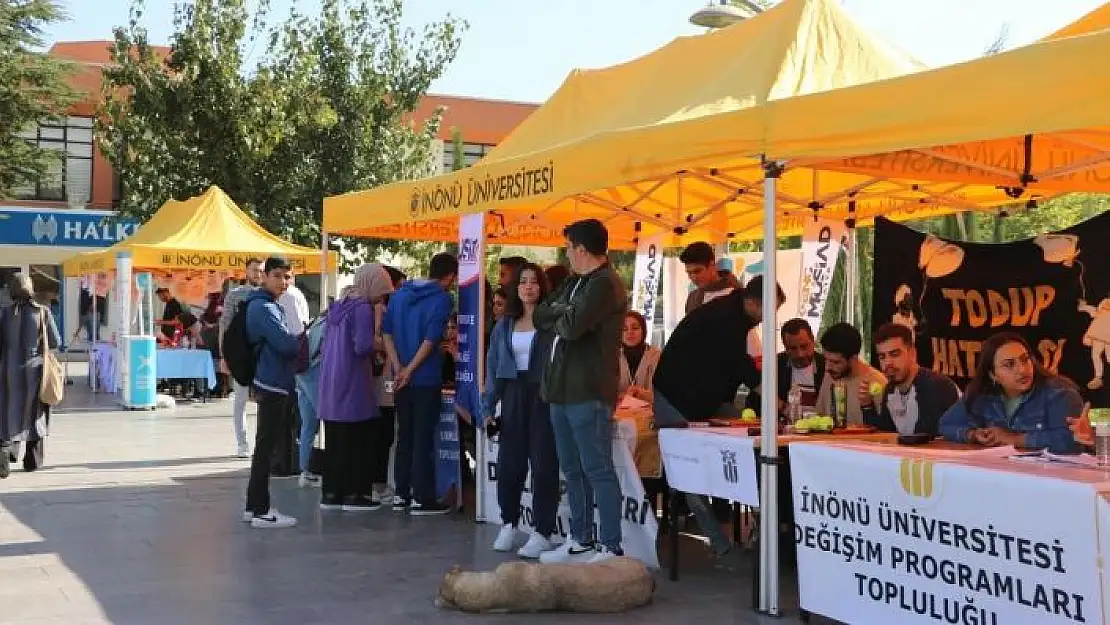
(892, 534)
(718, 462)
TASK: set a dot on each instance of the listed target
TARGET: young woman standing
(514, 368)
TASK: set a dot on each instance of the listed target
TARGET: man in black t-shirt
(171, 313)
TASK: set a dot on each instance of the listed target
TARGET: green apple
(748, 415)
(876, 388)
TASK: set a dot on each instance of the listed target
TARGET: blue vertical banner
(448, 450)
(471, 318)
(139, 389)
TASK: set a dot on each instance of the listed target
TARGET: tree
(326, 110)
(33, 88)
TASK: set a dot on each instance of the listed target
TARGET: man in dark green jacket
(586, 315)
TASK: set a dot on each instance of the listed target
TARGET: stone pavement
(136, 521)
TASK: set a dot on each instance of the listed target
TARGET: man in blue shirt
(413, 328)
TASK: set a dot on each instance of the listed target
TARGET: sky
(522, 50)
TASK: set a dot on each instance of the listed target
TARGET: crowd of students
(559, 360)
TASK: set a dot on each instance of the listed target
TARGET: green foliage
(33, 88)
(325, 111)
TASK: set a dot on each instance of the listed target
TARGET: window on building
(472, 153)
(70, 175)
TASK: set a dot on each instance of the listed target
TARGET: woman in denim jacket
(1013, 400)
(514, 368)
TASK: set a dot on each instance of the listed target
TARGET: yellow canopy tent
(207, 232)
(673, 142)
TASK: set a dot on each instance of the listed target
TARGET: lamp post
(725, 14)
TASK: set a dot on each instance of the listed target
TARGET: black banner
(1054, 290)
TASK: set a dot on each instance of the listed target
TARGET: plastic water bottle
(741, 400)
(793, 404)
(1102, 443)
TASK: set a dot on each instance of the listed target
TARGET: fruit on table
(818, 422)
(748, 415)
(876, 388)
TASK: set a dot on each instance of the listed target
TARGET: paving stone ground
(136, 521)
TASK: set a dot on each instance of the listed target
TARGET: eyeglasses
(1013, 364)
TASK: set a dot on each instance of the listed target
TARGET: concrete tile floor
(136, 522)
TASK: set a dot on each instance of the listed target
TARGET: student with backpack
(262, 352)
(348, 400)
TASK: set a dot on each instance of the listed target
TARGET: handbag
(52, 387)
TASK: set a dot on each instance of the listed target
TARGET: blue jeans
(308, 388)
(584, 440)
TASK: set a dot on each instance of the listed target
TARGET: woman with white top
(514, 368)
(638, 359)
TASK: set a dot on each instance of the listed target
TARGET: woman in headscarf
(25, 327)
(348, 400)
(638, 359)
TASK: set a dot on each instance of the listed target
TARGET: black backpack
(239, 354)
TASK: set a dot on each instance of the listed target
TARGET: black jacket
(935, 395)
(706, 358)
(585, 314)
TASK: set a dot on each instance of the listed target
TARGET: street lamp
(725, 13)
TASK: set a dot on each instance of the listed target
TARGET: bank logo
(918, 477)
(44, 229)
(414, 204)
(729, 467)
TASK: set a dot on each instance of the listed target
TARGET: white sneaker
(307, 479)
(535, 547)
(506, 539)
(272, 519)
(243, 451)
(569, 553)
(604, 553)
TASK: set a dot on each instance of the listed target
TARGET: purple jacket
(347, 374)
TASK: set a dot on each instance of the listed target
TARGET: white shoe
(248, 516)
(535, 547)
(243, 451)
(603, 554)
(506, 539)
(307, 479)
(272, 519)
(569, 553)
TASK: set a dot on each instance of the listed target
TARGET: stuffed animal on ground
(616, 585)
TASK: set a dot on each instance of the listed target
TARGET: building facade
(70, 210)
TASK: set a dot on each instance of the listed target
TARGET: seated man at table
(915, 398)
(703, 363)
(1014, 400)
(799, 364)
(842, 344)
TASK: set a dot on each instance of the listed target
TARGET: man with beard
(842, 344)
(799, 364)
(915, 397)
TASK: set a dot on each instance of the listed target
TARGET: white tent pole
(324, 271)
(851, 275)
(769, 450)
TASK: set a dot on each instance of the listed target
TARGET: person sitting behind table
(842, 344)
(799, 364)
(171, 313)
(638, 359)
(1014, 400)
(915, 397)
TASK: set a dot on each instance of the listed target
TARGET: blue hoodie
(278, 347)
(418, 312)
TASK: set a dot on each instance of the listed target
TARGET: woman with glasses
(1013, 400)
